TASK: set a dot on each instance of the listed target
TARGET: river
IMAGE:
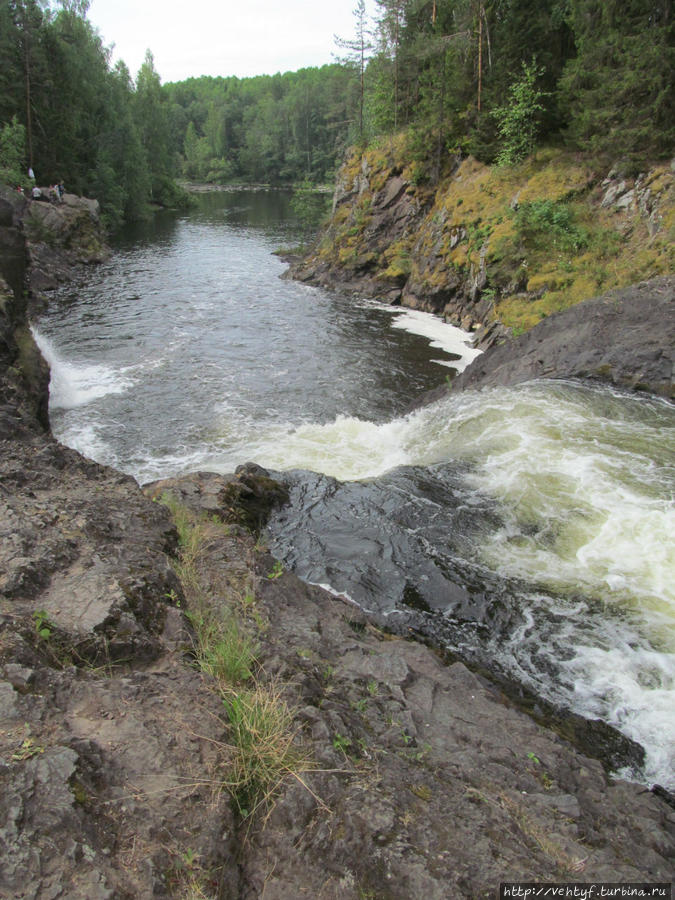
(532, 526)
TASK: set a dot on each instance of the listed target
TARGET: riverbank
(412, 776)
(493, 250)
(624, 338)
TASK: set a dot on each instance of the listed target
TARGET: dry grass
(265, 746)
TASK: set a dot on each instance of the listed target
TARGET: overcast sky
(223, 37)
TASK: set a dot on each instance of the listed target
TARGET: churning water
(534, 524)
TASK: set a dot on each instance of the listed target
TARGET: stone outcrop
(245, 498)
(424, 780)
(421, 778)
(491, 250)
(624, 338)
(102, 725)
(57, 235)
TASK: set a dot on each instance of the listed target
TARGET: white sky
(223, 37)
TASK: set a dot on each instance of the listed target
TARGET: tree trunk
(480, 53)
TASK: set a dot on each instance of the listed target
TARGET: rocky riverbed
(420, 777)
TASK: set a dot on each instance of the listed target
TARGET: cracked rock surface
(421, 779)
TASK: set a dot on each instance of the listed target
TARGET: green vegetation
(342, 743)
(272, 129)
(542, 224)
(28, 749)
(70, 117)
(488, 78)
(262, 747)
(493, 78)
(538, 229)
(517, 121)
(43, 627)
(12, 153)
(309, 206)
(617, 88)
(277, 571)
(265, 752)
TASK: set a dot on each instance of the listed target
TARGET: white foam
(85, 438)
(347, 448)
(633, 688)
(76, 384)
(441, 335)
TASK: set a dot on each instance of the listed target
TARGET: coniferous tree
(152, 121)
(618, 90)
(359, 49)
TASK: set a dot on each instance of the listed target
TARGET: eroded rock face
(461, 248)
(108, 741)
(625, 337)
(59, 236)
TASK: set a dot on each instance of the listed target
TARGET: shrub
(518, 121)
(547, 222)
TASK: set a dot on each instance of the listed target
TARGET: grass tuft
(265, 752)
(261, 749)
(222, 648)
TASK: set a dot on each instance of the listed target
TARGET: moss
(543, 281)
(423, 791)
(473, 215)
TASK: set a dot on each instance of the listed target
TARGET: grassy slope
(546, 240)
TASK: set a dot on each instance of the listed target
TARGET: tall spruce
(359, 50)
(618, 90)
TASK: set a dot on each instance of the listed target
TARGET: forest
(488, 78)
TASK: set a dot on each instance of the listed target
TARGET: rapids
(533, 525)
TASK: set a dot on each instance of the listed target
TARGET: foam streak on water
(442, 336)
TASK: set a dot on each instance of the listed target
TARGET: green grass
(223, 649)
(261, 748)
(263, 739)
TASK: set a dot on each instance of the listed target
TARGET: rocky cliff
(625, 337)
(493, 250)
(125, 768)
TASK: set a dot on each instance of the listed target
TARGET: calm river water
(532, 524)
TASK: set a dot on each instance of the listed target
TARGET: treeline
(486, 77)
(271, 128)
(493, 77)
(65, 113)
(70, 116)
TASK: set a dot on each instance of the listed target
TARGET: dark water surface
(533, 525)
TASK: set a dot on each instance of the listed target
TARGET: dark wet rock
(625, 337)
